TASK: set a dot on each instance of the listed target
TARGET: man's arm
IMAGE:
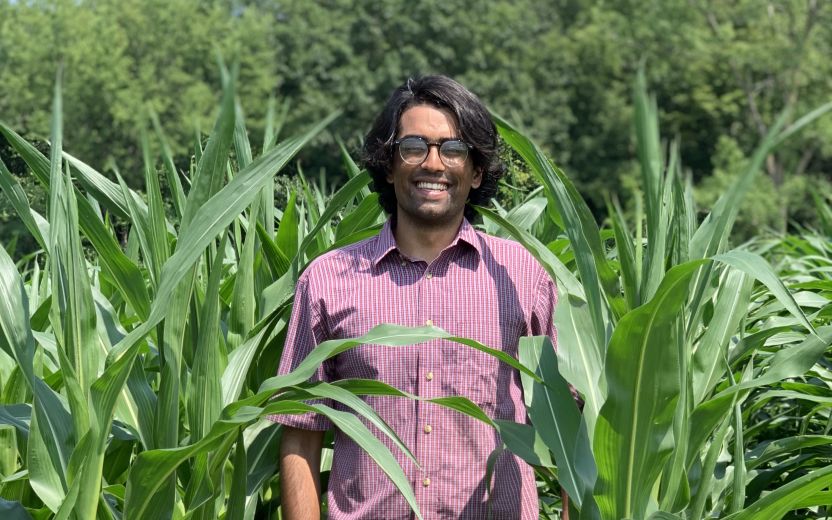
(300, 472)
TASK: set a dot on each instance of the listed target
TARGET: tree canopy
(560, 70)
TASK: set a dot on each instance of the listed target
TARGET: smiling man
(432, 152)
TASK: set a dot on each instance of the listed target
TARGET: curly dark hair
(472, 120)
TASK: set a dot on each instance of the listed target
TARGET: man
(432, 150)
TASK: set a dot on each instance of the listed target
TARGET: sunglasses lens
(413, 150)
(453, 153)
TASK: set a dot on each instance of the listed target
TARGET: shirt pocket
(470, 373)
(480, 376)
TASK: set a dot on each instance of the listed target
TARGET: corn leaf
(630, 436)
(786, 498)
(553, 410)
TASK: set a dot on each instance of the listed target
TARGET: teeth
(431, 186)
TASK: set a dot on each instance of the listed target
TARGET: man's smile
(432, 186)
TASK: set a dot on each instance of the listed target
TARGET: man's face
(431, 194)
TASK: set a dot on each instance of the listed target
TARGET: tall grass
(137, 378)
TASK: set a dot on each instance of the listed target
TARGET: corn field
(139, 344)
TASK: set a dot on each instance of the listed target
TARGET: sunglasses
(414, 150)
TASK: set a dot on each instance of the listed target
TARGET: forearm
(300, 483)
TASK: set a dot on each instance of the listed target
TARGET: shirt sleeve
(305, 331)
(542, 322)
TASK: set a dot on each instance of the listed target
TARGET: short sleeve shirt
(480, 287)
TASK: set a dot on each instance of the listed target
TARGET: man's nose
(433, 161)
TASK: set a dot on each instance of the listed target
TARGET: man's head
(470, 124)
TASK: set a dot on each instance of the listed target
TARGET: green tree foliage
(559, 70)
(121, 58)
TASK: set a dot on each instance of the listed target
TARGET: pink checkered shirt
(480, 287)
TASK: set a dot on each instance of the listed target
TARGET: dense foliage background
(138, 342)
(560, 69)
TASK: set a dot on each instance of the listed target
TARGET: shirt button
(426, 482)
(428, 428)
(403, 263)
(429, 376)
(429, 323)
(428, 276)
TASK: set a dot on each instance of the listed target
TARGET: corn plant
(668, 337)
(136, 381)
(137, 378)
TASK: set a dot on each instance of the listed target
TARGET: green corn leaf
(353, 238)
(786, 498)
(239, 361)
(708, 466)
(140, 228)
(236, 506)
(754, 265)
(103, 190)
(210, 170)
(596, 275)
(242, 314)
(766, 452)
(153, 466)
(649, 151)
(138, 404)
(50, 432)
(793, 361)
(352, 168)
(630, 275)
(204, 393)
(740, 471)
(802, 122)
(551, 263)
(790, 362)
(345, 393)
(662, 515)
(72, 315)
(650, 159)
(209, 221)
(523, 216)
(630, 442)
(172, 176)
(38, 228)
(365, 215)
(242, 146)
(277, 261)
(555, 414)
(658, 242)
(525, 442)
(279, 292)
(731, 306)
(156, 224)
(714, 230)
(385, 334)
(116, 264)
(274, 123)
(750, 343)
(287, 231)
(579, 359)
(18, 416)
(73, 319)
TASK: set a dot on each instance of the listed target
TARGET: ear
(390, 175)
(477, 180)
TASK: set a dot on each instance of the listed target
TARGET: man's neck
(422, 242)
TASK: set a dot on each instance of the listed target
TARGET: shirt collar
(386, 242)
